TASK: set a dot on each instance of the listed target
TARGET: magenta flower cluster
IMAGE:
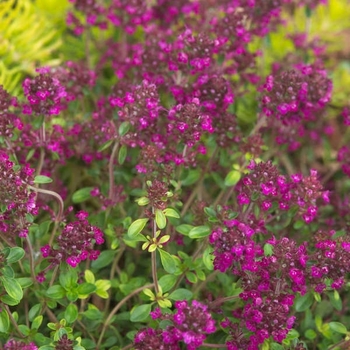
(44, 94)
(8, 120)
(75, 243)
(176, 115)
(18, 345)
(265, 186)
(271, 274)
(190, 325)
(297, 94)
(17, 200)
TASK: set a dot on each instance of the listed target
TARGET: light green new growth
(29, 37)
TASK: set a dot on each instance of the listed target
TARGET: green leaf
(68, 278)
(201, 275)
(25, 282)
(89, 276)
(102, 294)
(172, 213)
(338, 327)
(149, 293)
(29, 218)
(56, 292)
(44, 227)
(302, 303)
(318, 322)
(192, 177)
(168, 262)
(160, 219)
(82, 195)
(37, 322)
(192, 277)
(268, 249)
(93, 314)
(122, 154)
(257, 212)
(140, 313)
(232, 178)
(71, 313)
(6, 251)
(104, 259)
(4, 321)
(181, 294)
(86, 288)
(310, 334)
(25, 330)
(136, 227)
(199, 232)
(164, 303)
(72, 295)
(184, 229)
(30, 154)
(103, 284)
(299, 224)
(6, 299)
(138, 238)
(336, 300)
(142, 201)
(12, 287)
(167, 282)
(317, 296)
(16, 254)
(124, 128)
(208, 258)
(210, 211)
(91, 345)
(42, 179)
(292, 334)
(7, 271)
(34, 311)
(105, 145)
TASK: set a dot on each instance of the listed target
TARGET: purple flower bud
(284, 108)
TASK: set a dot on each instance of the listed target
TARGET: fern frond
(28, 39)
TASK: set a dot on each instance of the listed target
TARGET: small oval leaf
(4, 321)
(168, 261)
(82, 195)
(140, 313)
(86, 288)
(105, 145)
(184, 229)
(122, 154)
(167, 282)
(171, 213)
(232, 178)
(199, 232)
(124, 128)
(160, 219)
(16, 254)
(136, 227)
(181, 294)
(338, 327)
(71, 313)
(12, 287)
(42, 179)
(56, 292)
(302, 303)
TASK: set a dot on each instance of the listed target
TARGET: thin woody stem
(154, 257)
(110, 170)
(117, 307)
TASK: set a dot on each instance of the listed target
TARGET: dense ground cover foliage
(174, 176)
